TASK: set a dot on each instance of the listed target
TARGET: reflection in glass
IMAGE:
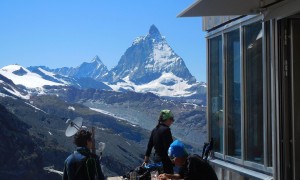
(233, 93)
(254, 93)
(216, 92)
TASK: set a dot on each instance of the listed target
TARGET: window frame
(267, 82)
(232, 158)
(208, 91)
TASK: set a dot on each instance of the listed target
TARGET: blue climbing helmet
(177, 150)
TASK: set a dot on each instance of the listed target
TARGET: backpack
(82, 173)
(144, 172)
(198, 168)
(80, 166)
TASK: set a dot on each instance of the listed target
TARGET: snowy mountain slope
(36, 78)
(9, 89)
(94, 69)
(50, 76)
(22, 76)
(78, 82)
(166, 85)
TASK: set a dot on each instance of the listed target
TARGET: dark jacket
(196, 168)
(160, 139)
(82, 165)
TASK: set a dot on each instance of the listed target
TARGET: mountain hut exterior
(253, 112)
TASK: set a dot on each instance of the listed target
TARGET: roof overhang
(226, 7)
(282, 10)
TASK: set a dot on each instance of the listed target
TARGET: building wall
(210, 22)
(265, 124)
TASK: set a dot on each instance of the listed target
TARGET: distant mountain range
(149, 65)
(130, 105)
(123, 103)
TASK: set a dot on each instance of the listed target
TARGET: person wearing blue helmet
(191, 166)
(160, 140)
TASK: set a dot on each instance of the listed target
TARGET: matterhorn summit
(148, 65)
(151, 62)
(154, 33)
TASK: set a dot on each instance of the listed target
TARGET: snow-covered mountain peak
(22, 76)
(153, 36)
(151, 65)
(154, 32)
(97, 60)
(93, 69)
(14, 67)
(95, 63)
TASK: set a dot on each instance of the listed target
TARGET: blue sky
(59, 33)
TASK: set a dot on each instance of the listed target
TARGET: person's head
(177, 153)
(83, 138)
(166, 117)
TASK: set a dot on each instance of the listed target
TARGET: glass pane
(233, 93)
(254, 93)
(268, 82)
(216, 92)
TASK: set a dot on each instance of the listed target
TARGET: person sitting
(82, 164)
(191, 166)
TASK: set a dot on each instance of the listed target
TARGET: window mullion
(224, 97)
(242, 76)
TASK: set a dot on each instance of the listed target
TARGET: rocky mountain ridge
(33, 136)
(138, 108)
(148, 65)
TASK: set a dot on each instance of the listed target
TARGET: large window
(216, 92)
(239, 96)
(233, 86)
(254, 93)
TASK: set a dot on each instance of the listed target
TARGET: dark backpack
(141, 173)
(82, 170)
(199, 168)
(144, 172)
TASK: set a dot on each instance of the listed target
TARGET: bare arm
(168, 176)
